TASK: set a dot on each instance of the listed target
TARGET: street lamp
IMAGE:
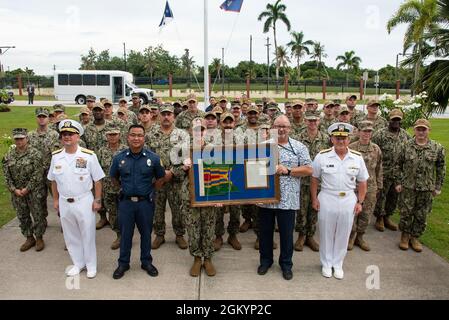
(3, 52)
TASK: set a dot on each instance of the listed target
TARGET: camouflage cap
(422, 123)
(135, 95)
(312, 115)
(167, 107)
(311, 101)
(41, 112)
(70, 126)
(191, 97)
(297, 103)
(343, 109)
(252, 109)
(337, 101)
(258, 102)
(272, 104)
(222, 98)
(155, 106)
(198, 122)
(91, 98)
(328, 103)
(226, 115)
(122, 110)
(217, 110)
(84, 110)
(145, 107)
(340, 129)
(58, 107)
(123, 100)
(19, 133)
(372, 102)
(236, 104)
(98, 105)
(177, 102)
(265, 126)
(211, 113)
(366, 125)
(106, 101)
(112, 128)
(351, 97)
(61, 117)
(395, 113)
(287, 104)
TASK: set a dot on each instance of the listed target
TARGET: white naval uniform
(74, 175)
(337, 201)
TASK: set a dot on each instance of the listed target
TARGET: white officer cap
(71, 126)
(340, 129)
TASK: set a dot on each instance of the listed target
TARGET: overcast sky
(48, 33)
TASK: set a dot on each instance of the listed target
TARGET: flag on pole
(232, 5)
(167, 17)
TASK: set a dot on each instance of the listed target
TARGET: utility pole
(188, 67)
(3, 52)
(124, 55)
(250, 55)
(222, 72)
(268, 61)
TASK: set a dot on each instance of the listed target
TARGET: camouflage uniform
(110, 191)
(25, 170)
(390, 145)
(297, 127)
(45, 142)
(163, 144)
(263, 118)
(378, 124)
(95, 137)
(356, 117)
(421, 170)
(184, 119)
(325, 123)
(307, 217)
(373, 160)
(134, 110)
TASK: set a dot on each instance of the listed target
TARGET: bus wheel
(80, 99)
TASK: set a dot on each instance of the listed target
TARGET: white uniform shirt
(339, 175)
(74, 173)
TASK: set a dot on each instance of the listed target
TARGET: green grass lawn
(36, 98)
(436, 236)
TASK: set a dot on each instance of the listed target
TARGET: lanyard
(289, 150)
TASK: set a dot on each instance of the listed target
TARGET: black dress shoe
(287, 274)
(120, 272)
(261, 270)
(150, 269)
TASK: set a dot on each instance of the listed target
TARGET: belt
(73, 199)
(136, 198)
(338, 193)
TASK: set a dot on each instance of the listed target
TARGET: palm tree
(299, 48)
(282, 58)
(216, 67)
(151, 63)
(350, 62)
(318, 54)
(274, 13)
(435, 78)
(421, 17)
(188, 65)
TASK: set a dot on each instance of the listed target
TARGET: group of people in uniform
(337, 166)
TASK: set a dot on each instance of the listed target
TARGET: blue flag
(232, 5)
(167, 17)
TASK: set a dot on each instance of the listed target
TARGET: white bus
(75, 85)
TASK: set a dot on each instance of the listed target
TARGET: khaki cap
(328, 103)
(297, 103)
(123, 100)
(265, 126)
(343, 109)
(351, 97)
(191, 97)
(123, 110)
(145, 107)
(222, 98)
(210, 113)
(98, 105)
(252, 109)
(372, 102)
(106, 101)
(84, 110)
(198, 122)
(422, 123)
(226, 115)
(217, 110)
(396, 113)
(91, 98)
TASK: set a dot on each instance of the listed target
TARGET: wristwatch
(98, 200)
(289, 171)
(361, 203)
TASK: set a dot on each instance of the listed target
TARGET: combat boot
(299, 244)
(256, 244)
(361, 243)
(196, 267)
(351, 240)
(40, 245)
(405, 238)
(158, 241)
(180, 241)
(234, 242)
(209, 267)
(30, 242)
(116, 244)
(101, 223)
(416, 245)
(312, 244)
(218, 243)
(246, 225)
(390, 224)
(380, 224)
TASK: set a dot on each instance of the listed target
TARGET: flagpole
(206, 58)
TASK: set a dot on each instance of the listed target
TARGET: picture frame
(234, 175)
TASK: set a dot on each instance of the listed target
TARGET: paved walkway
(40, 275)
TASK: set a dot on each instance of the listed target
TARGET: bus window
(103, 80)
(63, 79)
(75, 80)
(89, 80)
